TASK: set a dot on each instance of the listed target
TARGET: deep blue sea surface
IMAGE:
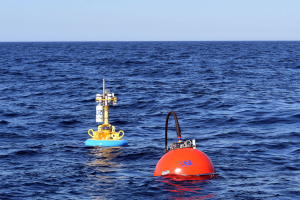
(239, 100)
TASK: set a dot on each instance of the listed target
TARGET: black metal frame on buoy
(166, 129)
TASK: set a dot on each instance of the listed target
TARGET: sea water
(240, 101)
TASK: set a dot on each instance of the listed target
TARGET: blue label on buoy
(185, 163)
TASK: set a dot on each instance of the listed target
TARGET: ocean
(239, 100)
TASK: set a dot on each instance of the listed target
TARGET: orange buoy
(184, 161)
(182, 158)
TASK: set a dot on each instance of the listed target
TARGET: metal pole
(105, 105)
(104, 88)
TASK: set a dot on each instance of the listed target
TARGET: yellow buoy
(106, 134)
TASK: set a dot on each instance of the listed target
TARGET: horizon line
(154, 41)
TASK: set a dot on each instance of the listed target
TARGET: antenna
(104, 88)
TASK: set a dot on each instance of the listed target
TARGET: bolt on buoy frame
(105, 131)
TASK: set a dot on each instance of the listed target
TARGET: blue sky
(149, 20)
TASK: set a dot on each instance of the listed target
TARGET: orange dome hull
(185, 161)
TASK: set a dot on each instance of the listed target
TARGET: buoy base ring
(106, 143)
(176, 177)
